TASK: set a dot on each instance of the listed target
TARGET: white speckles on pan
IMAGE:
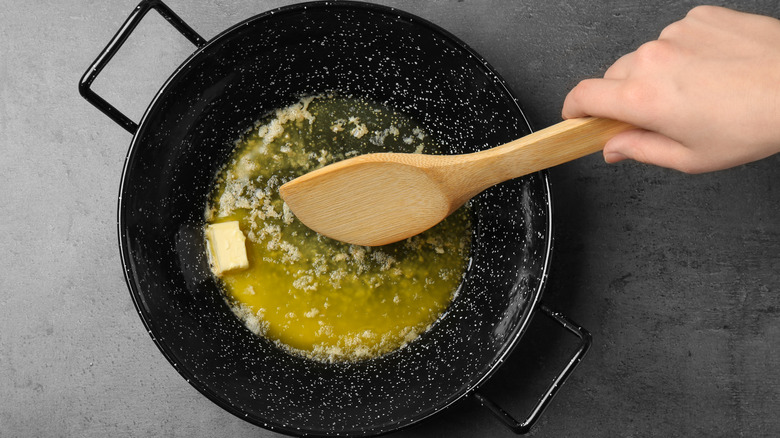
(268, 62)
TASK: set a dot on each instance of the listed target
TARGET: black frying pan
(187, 134)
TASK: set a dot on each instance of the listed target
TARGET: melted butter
(312, 295)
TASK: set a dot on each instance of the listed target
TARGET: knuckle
(672, 31)
(702, 11)
(654, 53)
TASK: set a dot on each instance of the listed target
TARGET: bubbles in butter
(314, 296)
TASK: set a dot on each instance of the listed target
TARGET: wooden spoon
(377, 199)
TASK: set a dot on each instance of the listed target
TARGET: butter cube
(226, 246)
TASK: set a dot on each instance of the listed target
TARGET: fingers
(598, 97)
(620, 68)
(632, 90)
(651, 148)
(592, 97)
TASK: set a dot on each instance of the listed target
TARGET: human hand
(706, 94)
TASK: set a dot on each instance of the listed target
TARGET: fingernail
(613, 157)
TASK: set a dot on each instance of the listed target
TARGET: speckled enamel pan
(187, 133)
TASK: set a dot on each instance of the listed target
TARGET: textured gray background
(678, 277)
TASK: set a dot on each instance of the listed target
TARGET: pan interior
(187, 134)
(318, 297)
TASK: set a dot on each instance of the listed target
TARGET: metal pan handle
(113, 46)
(523, 427)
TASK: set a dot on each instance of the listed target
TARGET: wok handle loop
(524, 426)
(113, 46)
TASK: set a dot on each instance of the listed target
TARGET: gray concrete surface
(678, 277)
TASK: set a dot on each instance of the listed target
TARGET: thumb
(648, 147)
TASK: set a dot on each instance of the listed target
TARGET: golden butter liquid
(312, 295)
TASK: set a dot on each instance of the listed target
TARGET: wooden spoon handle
(557, 144)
